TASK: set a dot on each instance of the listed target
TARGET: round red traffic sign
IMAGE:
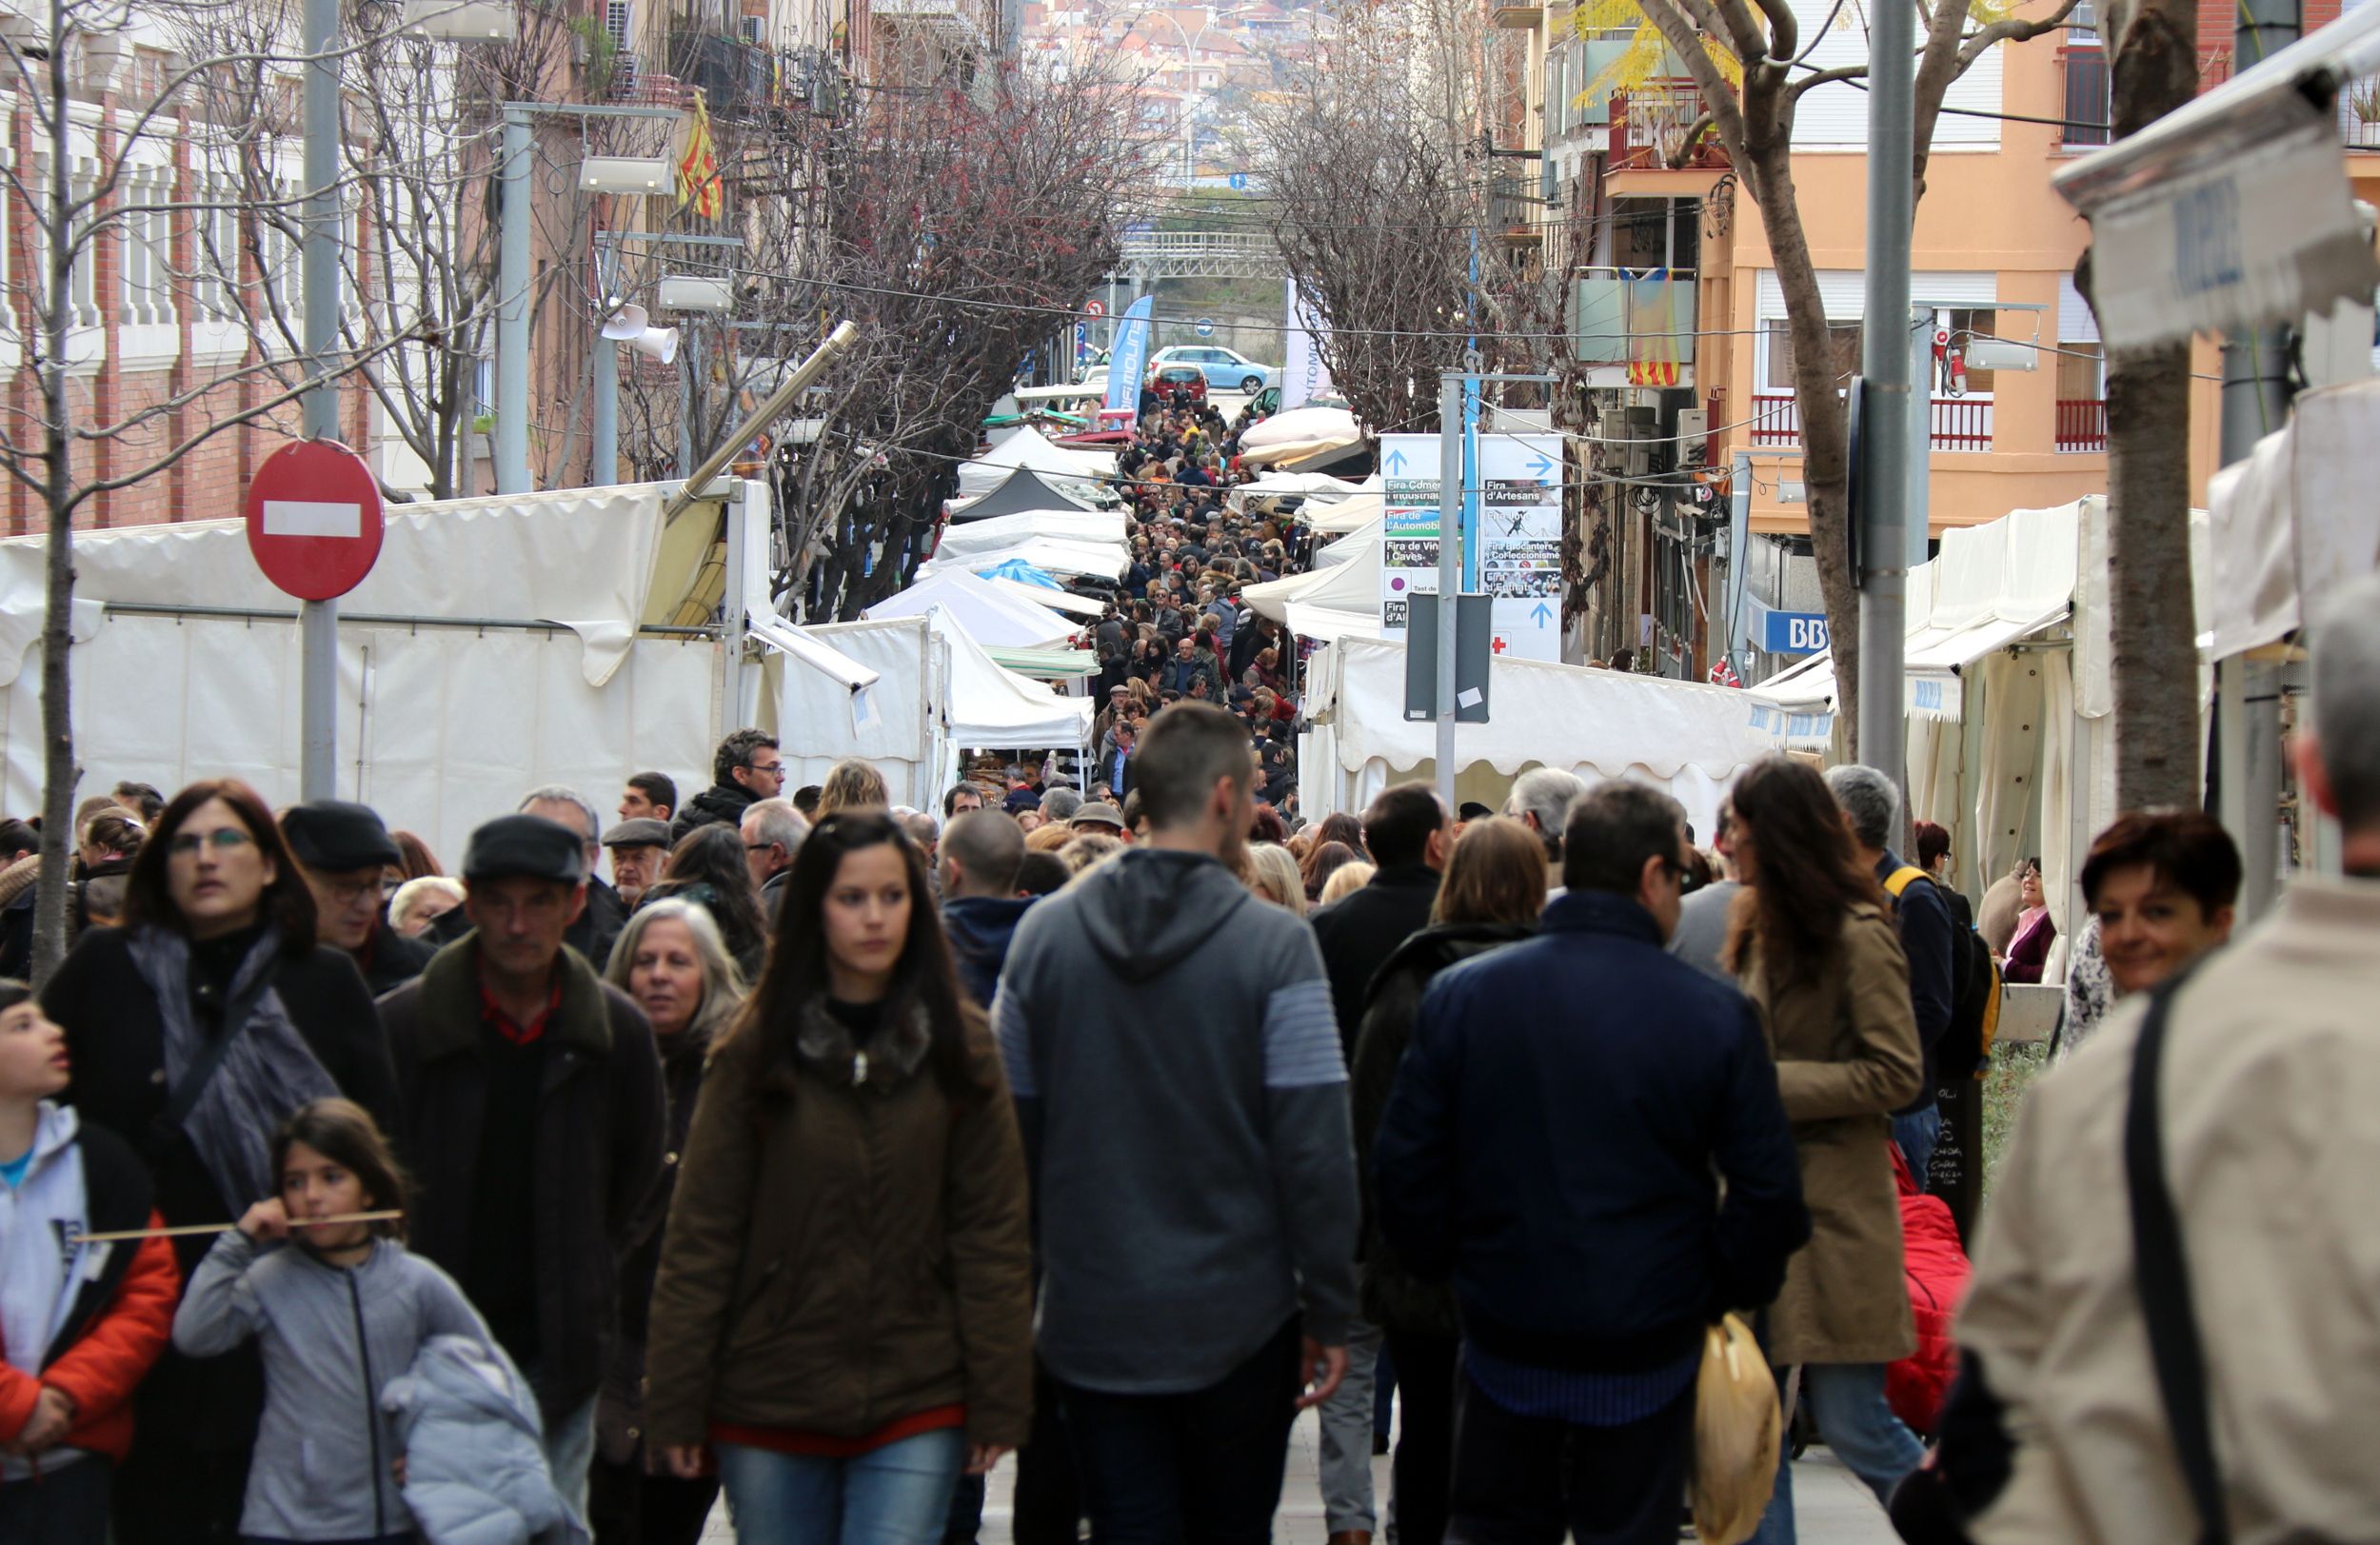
(1094, 309)
(315, 518)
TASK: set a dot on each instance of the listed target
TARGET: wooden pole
(187, 1230)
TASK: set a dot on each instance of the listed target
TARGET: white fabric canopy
(2294, 521)
(1064, 601)
(1686, 737)
(982, 609)
(1343, 603)
(1350, 546)
(1327, 425)
(1310, 484)
(1028, 448)
(1099, 560)
(993, 707)
(1008, 530)
(1343, 515)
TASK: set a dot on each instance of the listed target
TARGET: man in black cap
(638, 848)
(345, 852)
(532, 1105)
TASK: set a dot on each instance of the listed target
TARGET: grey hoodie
(1170, 1042)
(332, 1337)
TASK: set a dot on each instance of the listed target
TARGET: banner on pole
(1131, 355)
(1303, 373)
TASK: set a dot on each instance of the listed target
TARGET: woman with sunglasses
(195, 1029)
(843, 1314)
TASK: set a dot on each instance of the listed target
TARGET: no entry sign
(315, 518)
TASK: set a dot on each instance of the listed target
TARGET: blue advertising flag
(1131, 355)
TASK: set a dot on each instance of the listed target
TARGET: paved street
(1834, 1508)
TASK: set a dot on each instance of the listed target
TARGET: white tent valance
(985, 612)
(1028, 448)
(2294, 521)
(1008, 530)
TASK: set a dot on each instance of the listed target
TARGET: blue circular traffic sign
(1205, 327)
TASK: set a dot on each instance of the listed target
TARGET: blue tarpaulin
(1024, 573)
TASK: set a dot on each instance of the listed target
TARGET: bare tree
(2153, 653)
(1761, 45)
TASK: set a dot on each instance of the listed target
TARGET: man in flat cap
(346, 854)
(532, 1120)
(638, 846)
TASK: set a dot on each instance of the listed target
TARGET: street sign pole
(318, 622)
(315, 526)
(1452, 479)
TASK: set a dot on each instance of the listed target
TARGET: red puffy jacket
(1936, 1267)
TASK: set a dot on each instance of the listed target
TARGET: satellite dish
(625, 324)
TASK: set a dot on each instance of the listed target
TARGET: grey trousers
(1347, 1436)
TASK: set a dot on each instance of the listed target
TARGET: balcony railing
(733, 75)
(1649, 127)
(1644, 321)
(1514, 207)
(1959, 424)
(2359, 114)
(2082, 425)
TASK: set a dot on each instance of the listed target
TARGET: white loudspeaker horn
(625, 324)
(657, 344)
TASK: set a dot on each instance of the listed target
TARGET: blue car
(1226, 369)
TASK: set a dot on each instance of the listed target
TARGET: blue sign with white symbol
(1239, 180)
(1793, 632)
(1205, 327)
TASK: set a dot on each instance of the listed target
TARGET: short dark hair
(1613, 829)
(805, 799)
(288, 901)
(736, 751)
(2187, 849)
(950, 797)
(1398, 823)
(141, 799)
(1189, 746)
(1042, 874)
(1933, 842)
(13, 992)
(18, 837)
(658, 789)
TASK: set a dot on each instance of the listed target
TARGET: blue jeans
(898, 1495)
(1847, 1400)
(1916, 1135)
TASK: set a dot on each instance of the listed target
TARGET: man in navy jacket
(1585, 1135)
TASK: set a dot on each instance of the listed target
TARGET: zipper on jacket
(371, 1412)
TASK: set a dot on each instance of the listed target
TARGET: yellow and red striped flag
(699, 182)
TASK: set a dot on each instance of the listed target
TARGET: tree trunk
(1818, 398)
(2152, 627)
(57, 720)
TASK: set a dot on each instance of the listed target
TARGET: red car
(1182, 385)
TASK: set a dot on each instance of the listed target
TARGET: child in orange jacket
(80, 1324)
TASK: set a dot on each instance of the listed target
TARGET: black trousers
(625, 1506)
(1200, 1468)
(1526, 1480)
(1424, 1466)
(63, 1506)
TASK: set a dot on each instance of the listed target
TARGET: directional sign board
(1520, 538)
(315, 518)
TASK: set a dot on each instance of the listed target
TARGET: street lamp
(632, 175)
(462, 21)
(628, 323)
(513, 278)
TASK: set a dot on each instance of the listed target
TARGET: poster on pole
(1409, 527)
(1303, 374)
(1131, 356)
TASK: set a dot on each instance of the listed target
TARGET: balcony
(958, 23)
(732, 74)
(2359, 114)
(1649, 128)
(1514, 209)
(2082, 426)
(1960, 424)
(1635, 329)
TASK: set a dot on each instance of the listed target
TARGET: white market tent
(1352, 545)
(983, 611)
(1028, 449)
(499, 643)
(1064, 601)
(1342, 516)
(1095, 527)
(1339, 597)
(2294, 521)
(938, 695)
(1685, 736)
(1098, 560)
(1303, 485)
(1298, 434)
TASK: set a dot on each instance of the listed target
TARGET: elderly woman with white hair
(673, 960)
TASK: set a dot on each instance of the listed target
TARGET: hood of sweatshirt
(1145, 910)
(981, 927)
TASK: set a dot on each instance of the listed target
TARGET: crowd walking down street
(1136, 1155)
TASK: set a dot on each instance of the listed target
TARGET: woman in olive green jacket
(1812, 944)
(844, 1312)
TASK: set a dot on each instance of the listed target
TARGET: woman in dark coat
(1493, 889)
(198, 1025)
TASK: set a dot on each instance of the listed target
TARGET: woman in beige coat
(1813, 943)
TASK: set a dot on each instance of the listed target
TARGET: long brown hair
(1808, 875)
(1495, 874)
(287, 901)
(345, 1133)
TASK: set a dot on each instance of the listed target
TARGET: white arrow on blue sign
(1238, 179)
(1205, 327)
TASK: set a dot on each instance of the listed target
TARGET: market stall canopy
(1350, 546)
(1021, 494)
(1093, 560)
(2234, 210)
(1343, 603)
(991, 705)
(2294, 521)
(1300, 433)
(1302, 485)
(1684, 736)
(1343, 515)
(988, 614)
(1007, 530)
(1064, 601)
(1027, 449)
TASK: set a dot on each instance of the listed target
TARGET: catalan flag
(699, 182)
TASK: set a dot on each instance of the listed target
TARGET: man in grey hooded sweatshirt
(1178, 1074)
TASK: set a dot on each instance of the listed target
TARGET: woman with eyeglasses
(1810, 940)
(843, 1314)
(195, 1029)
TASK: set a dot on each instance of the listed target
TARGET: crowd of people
(828, 1152)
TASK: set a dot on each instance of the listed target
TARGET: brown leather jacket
(841, 1256)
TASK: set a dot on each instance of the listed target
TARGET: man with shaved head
(978, 863)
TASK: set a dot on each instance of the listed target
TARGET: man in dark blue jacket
(1585, 1135)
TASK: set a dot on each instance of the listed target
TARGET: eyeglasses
(758, 848)
(222, 840)
(349, 893)
(770, 769)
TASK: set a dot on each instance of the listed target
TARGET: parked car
(1182, 384)
(1226, 369)
(1095, 377)
(1266, 403)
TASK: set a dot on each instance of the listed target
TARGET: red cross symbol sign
(1498, 643)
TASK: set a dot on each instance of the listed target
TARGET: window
(215, 256)
(2089, 100)
(616, 22)
(1844, 336)
(1961, 324)
(148, 248)
(2081, 373)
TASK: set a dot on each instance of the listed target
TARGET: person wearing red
(80, 1322)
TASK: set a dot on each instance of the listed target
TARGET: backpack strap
(1902, 877)
(2163, 1273)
